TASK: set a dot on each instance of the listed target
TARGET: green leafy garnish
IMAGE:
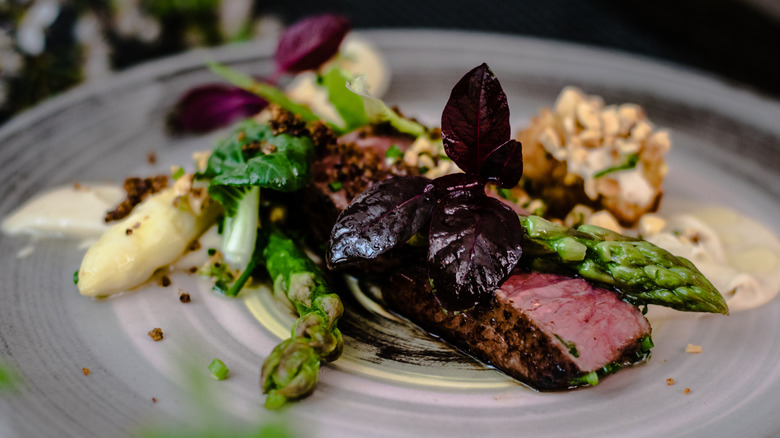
(630, 163)
(76, 277)
(348, 104)
(254, 157)
(335, 186)
(378, 112)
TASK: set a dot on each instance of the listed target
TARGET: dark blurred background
(48, 46)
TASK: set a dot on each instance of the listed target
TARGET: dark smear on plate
(375, 338)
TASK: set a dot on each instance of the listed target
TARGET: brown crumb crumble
(184, 297)
(156, 334)
(154, 399)
(687, 391)
(86, 371)
(285, 122)
(165, 281)
(137, 190)
(151, 157)
(670, 381)
(193, 270)
(322, 135)
(129, 231)
(194, 246)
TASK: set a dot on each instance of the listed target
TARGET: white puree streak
(70, 211)
(740, 256)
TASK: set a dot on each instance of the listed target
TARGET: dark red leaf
(475, 120)
(474, 243)
(386, 215)
(455, 182)
(505, 165)
(212, 106)
(307, 44)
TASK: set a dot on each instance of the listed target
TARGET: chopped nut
(410, 157)
(426, 161)
(670, 381)
(156, 334)
(693, 349)
(568, 100)
(641, 130)
(627, 146)
(550, 140)
(651, 224)
(201, 159)
(610, 123)
(590, 138)
(588, 116)
(605, 219)
(628, 114)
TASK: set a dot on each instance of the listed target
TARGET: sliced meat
(542, 329)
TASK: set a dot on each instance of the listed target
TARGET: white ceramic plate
(392, 380)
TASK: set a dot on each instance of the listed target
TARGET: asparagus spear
(642, 272)
(290, 371)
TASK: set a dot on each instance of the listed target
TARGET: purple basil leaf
(505, 165)
(475, 120)
(307, 44)
(212, 106)
(474, 243)
(386, 215)
(457, 182)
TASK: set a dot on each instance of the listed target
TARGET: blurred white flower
(10, 60)
(31, 35)
(96, 62)
(233, 16)
(130, 21)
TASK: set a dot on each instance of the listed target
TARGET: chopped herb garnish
(76, 277)
(569, 345)
(218, 369)
(394, 152)
(592, 379)
(335, 186)
(507, 194)
(647, 343)
(9, 378)
(211, 251)
(630, 163)
(178, 173)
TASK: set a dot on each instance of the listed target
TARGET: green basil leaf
(348, 104)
